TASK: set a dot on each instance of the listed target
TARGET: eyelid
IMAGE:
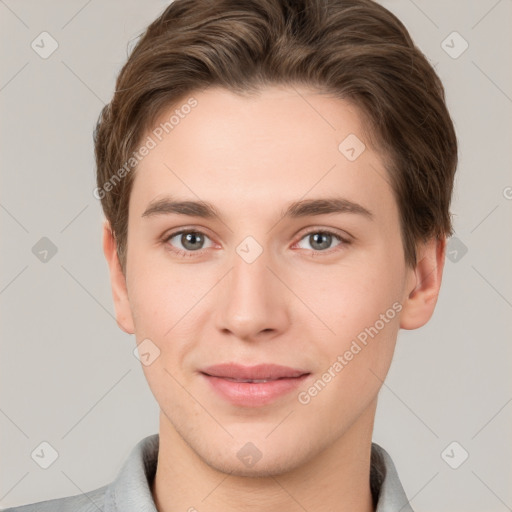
(343, 235)
(185, 229)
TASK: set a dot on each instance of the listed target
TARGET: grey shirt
(130, 491)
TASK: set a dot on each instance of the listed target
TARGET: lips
(258, 373)
(253, 386)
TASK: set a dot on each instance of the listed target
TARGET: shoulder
(387, 490)
(89, 502)
(128, 492)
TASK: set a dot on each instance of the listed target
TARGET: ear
(117, 281)
(424, 282)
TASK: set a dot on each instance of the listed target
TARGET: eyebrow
(303, 208)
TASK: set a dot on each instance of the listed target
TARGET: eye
(189, 242)
(321, 240)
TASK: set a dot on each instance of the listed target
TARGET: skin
(297, 304)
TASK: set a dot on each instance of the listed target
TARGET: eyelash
(187, 254)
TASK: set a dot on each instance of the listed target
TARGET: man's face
(257, 287)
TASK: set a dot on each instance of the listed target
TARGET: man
(306, 149)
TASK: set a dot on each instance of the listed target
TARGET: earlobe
(124, 317)
(424, 284)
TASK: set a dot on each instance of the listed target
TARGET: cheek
(162, 304)
(160, 293)
(360, 303)
(346, 299)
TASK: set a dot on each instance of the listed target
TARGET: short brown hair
(353, 49)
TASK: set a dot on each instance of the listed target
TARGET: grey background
(68, 375)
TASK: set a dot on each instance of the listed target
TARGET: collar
(131, 491)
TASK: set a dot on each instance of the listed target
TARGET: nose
(253, 302)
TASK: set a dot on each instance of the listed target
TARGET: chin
(273, 466)
(259, 458)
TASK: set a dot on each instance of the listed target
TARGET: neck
(336, 479)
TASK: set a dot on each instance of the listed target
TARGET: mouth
(248, 380)
(252, 386)
(260, 372)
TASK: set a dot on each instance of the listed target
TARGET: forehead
(246, 151)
